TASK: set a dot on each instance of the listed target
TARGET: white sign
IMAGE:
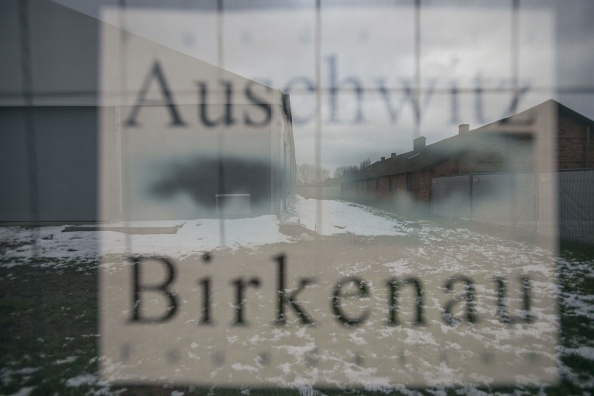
(302, 319)
(327, 293)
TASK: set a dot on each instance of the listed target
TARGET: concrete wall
(55, 119)
(48, 150)
(52, 175)
(575, 145)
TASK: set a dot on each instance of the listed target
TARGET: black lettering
(513, 106)
(267, 107)
(393, 284)
(139, 288)
(513, 110)
(478, 103)
(309, 88)
(455, 112)
(291, 298)
(337, 296)
(502, 314)
(240, 300)
(333, 102)
(525, 313)
(227, 116)
(167, 100)
(407, 97)
(468, 297)
(206, 303)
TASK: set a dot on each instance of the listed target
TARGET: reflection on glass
(295, 194)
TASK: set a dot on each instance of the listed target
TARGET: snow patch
(24, 391)
(83, 379)
(69, 359)
(338, 217)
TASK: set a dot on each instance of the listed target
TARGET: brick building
(519, 143)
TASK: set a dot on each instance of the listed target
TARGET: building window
(409, 181)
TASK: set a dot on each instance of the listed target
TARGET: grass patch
(49, 326)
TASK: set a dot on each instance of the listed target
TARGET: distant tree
(345, 170)
(340, 171)
(311, 174)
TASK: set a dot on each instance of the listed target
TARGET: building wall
(447, 168)
(483, 160)
(508, 153)
(384, 192)
(48, 151)
(575, 147)
(49, 172)
(421, 185)
(398, 182)
(63, 58)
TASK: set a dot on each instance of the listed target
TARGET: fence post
(470, 193)
(536, 200)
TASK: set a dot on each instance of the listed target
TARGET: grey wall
(48, 139)
(512, 200)
(576, 206)
(53, 174)
(59, 48)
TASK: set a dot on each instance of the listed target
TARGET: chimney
(419, 143)
(463, 128)
(383, 158)
(392, 155)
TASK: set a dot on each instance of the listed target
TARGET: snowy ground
(432, 244)
(196, 236)
(191, 236)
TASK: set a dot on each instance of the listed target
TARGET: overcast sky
(465, 47)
